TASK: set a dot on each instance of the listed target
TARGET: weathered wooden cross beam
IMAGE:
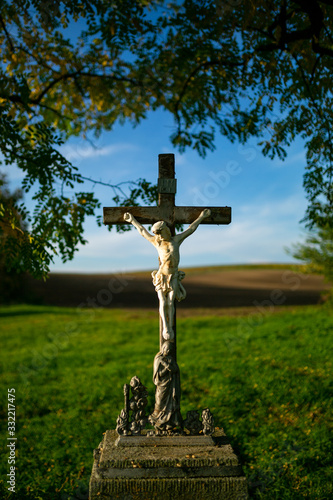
(166, 210)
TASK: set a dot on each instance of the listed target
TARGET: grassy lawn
(267, 378)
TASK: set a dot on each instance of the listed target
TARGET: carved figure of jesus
(167, 279)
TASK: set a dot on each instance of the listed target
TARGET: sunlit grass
(266, 378)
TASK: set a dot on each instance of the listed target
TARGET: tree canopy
(257, 68)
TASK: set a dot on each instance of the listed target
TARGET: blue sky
(266, 196)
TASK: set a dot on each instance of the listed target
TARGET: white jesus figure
(167, 280)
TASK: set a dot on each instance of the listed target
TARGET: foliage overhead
(240, 69)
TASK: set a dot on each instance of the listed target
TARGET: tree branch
(55, 111)
(2, 22)
(113, 186)
(79, 72)
(136, 83)
(193, 73)
(64, 76)
(312, 32)
(39, 60)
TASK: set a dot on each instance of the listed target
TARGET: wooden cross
(166, 210)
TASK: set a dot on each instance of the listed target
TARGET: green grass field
(266, 378)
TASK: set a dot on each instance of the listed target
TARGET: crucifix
(167, 279)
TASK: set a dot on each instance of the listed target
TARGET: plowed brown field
(206, 288)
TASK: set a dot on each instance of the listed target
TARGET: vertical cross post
(166, 210)
(167, 279)
(167, 186)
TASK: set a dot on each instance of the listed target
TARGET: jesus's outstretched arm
(143, 231)
(192, 227)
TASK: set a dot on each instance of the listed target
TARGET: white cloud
(107, 252)
(297, 158)
(259, 234)
(293, 206)
(114, 245)
(84, 151)
(13, 172)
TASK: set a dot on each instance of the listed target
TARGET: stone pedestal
(169, 468)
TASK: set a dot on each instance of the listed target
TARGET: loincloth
(163, 282)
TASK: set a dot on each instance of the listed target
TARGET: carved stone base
(151, 469)
(145, 440)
